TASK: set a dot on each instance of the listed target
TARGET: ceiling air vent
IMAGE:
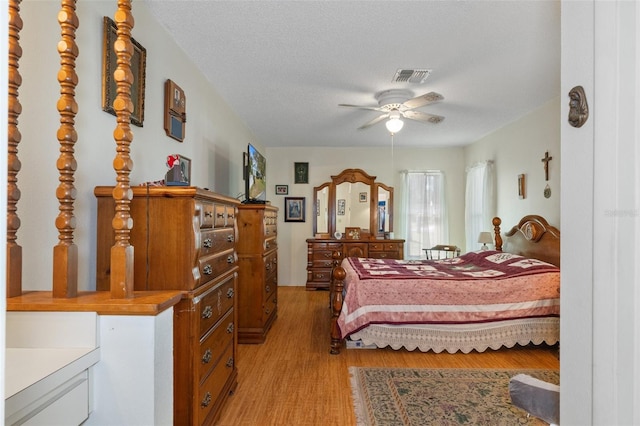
(417, 76)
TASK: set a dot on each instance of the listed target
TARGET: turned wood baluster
(65, 253)
(122, 251)
(14, 251)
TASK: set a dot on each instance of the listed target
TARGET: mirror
(321, 222)
(352, 206)
(353, 199)
(385, 200)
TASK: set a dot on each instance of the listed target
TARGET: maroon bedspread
(476, 287)
(469, 266)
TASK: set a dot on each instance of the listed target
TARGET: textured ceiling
(284, 66)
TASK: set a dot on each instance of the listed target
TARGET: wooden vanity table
(354, 216)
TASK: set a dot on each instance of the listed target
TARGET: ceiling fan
(396, 104)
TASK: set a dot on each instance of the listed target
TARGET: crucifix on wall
(546, 160)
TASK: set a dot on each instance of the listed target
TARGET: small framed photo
(341, 207)
(521, 184)
(301, 171)
(282, 189)
(363, 197)
(294, 209)
(180, 173)
(352, 233)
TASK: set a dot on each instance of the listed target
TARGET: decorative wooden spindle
(496, 232)
(65, 253)
(14, 251)
(122, 251)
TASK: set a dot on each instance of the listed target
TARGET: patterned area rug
(397, 396)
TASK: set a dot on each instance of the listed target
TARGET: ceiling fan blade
(423, 117)
(374, 121)
(423, 100)
(370, 108)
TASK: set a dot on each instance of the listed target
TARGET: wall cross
(546, 160)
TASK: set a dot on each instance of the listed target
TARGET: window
(425, 224)
(479, 202)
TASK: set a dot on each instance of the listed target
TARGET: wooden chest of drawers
(184, 238)
(320, 252)
(258, 275)
(385, 250)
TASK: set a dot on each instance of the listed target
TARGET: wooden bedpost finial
(496, 231)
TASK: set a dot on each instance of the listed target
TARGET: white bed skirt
(462, 337)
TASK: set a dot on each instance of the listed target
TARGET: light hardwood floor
(291, 379)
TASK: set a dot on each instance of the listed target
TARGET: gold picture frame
(521, 187)
(109, 65)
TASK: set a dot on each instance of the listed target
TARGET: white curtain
(425, 221)
(479, 202)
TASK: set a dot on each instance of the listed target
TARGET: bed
(480, 300)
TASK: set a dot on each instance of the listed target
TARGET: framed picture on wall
(109, 65)
(294, 209)
(301, 172)
(282, 189)
(521, 183)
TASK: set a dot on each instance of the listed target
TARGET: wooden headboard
(531, 237)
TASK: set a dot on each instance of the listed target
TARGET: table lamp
(485, 238)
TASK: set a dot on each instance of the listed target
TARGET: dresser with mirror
(354, 217)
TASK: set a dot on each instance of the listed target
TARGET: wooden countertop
(142, 302)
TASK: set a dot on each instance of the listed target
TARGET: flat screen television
(255, 182)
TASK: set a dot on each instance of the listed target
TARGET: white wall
(214, 138)
(516, 149)
(379, 162)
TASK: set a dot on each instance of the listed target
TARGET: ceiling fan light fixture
(394, 123)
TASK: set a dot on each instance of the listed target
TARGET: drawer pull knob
(207, 312)
(208, 270)
(208, 214)
(267, 245)
(230, 216)
(230, 259)
(230, 238)
(230, 293)
(206, 400)
(328, 255)
(220, 215)
(320, 276)
(230, 362)
(206, 358)
(207, 243)
(230, 328)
